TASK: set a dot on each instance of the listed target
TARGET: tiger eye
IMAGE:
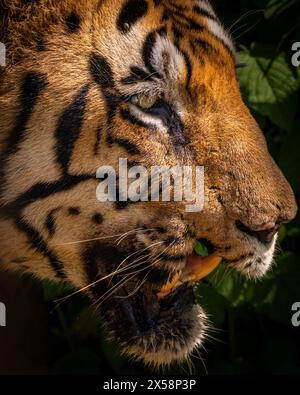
(146, 101)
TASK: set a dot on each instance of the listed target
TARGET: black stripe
(189, 68)
(101, 71)
(226, 46)
(132, 11)
(193, 47)
(137, 75)
(178, 35)
(69, 127)
(178, 7)
(189, 22)
(165, 16)
(200, 11)
(147, 51)
(162, 31)
(36, 240)
(206, 14)
(127, 145)
(42, 191)
(91, 266)
(32, 86)
(205, 46)
(98, 140)
(50, 222)
(103, 76)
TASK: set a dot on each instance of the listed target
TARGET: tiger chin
(154, 81)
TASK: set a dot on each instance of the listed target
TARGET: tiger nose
(264, 233)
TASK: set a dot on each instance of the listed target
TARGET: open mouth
(154, 321)
(196, 268)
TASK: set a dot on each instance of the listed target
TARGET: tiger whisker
(127, 233)
(108, 294)
(245, 15)
(135, 290)
(130, 266)
(139, 251)
(101, 238)
(121, 283)
(94, 283)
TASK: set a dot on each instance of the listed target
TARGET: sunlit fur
(49, 211)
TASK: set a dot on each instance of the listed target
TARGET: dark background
(251, 322)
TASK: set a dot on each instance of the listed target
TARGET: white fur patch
(206, 6)
(256, 267)
(148, 119)
(218, 31)
(176, 61)
(216, 27)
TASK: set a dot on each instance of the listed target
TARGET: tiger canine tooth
(166, 289)
(197, 268)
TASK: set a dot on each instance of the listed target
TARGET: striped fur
(66, 108)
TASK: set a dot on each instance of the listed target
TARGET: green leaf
(269, 85)
(201, 250)
(227, 283)
(282, 234)
(55, 290)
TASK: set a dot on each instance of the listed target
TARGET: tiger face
(152, 81)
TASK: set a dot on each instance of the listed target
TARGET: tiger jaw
(155, 328)
(164, 323)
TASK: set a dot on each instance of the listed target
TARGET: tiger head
(152, 81)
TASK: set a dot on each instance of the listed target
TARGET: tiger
(88, 82)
